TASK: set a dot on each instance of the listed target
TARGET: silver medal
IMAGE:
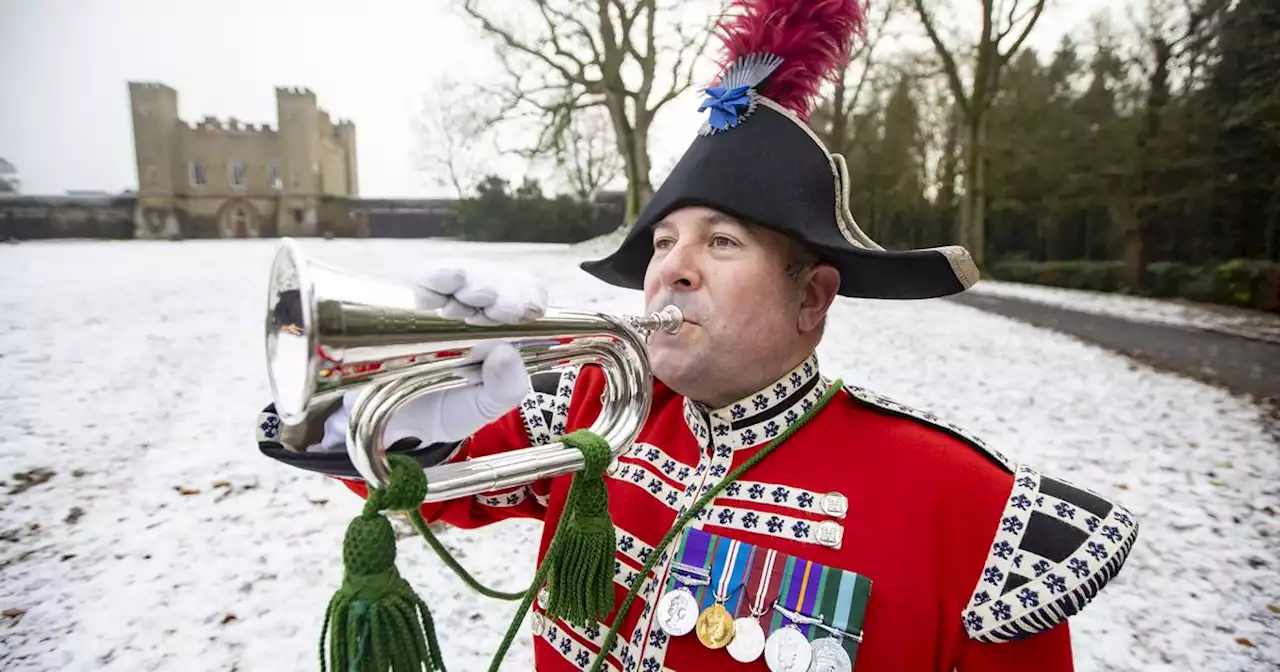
(677, 612)
(829, 656)
(787, 650)
(748, 640)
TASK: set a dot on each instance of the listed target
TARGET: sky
(65, 67)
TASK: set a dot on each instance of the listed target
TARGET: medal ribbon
(731, 559)
(766, 576)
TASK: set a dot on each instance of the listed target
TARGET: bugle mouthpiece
(668, 319)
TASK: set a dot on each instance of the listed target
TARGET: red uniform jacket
(975, 562)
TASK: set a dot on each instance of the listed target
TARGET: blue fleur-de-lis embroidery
(738, 412)
(733, 489)
(651, 664)
(792, 416)
(800, 529)
(719, 470)
(1021, 501)
(771, 430)
(536, 421)
(1001, 611)
(565, 645)
(722, 431)
(993, 575)
(807, 405)
(530, 404)
(761, 402)
(652, 455)
(750, 520)
(565, 390)
(973, 621)
(805, 500)
(513, 499)
(552, 634)
(562, 408)
(657, 638)
(270, 426)
(617, 567)
(1078, 567)
(1039, 501)
(981, 598)
(808, 369)
(655, 486)
(1003, 549)
(672, 497)
(1124, 519)
(1011, 524)
(1041, 567)
(780, 494)
(644, 554)
(668, 466)
(1029, 598)
(558, 429)
(795, 379)
(775, 524)
(626, 542)
(723, 450)
(1093, 523)
(684, 473)
(749, 438)
(582, 659)
(1097, 551)
(1055, 583)
(756, 491)
(1026, 482)
(1111, 532)
(699, 470)
(780, 391)
(726, 517)
(592, 632)
(1065, 510)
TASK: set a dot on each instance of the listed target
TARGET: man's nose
(680, 267)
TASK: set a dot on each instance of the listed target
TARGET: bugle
(328, 330)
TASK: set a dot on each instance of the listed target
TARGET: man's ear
(821, 284)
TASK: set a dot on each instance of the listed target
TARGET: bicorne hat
(756, 159)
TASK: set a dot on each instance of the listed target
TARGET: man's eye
(662, 243)
(722, 241)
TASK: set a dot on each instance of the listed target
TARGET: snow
(134, 372)
(1253, 324)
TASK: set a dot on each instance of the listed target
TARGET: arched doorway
(239, 219)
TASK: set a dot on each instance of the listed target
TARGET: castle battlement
(211, 123)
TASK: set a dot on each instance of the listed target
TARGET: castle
(217, 179)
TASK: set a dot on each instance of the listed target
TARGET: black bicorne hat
(756, 159)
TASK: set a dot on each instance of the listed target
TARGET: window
(273, 175)
(195, 170)
(237, 174)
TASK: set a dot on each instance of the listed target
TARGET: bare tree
(587, 155)
(973, 100)
(450, 135)
(629, 58)
(831, 119)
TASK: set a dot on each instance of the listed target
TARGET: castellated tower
(225, 178)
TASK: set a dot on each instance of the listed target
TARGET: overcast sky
(65, 64)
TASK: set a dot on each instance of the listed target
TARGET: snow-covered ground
(162, 540)
(1226, 319)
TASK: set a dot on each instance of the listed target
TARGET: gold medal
(715, 627)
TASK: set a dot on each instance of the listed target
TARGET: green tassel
(375, 621)
(580, 567)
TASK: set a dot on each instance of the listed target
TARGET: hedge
(1249, 283)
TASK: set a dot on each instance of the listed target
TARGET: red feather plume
(813, 37)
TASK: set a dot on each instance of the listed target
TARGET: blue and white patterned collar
(759, 417)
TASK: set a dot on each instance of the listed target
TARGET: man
(899, 537)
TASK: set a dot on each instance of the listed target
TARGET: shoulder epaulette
(546, 410)
(882, 403)
(1055, 547)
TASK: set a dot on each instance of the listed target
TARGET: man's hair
(799, 258)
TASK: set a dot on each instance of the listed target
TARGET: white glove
(451, 415)
(482, 295)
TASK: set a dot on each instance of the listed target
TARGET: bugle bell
(329, 330)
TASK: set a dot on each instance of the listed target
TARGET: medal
(715, 624)
(748, 636)
(678, 608)
(787, 650)
(829, 656)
